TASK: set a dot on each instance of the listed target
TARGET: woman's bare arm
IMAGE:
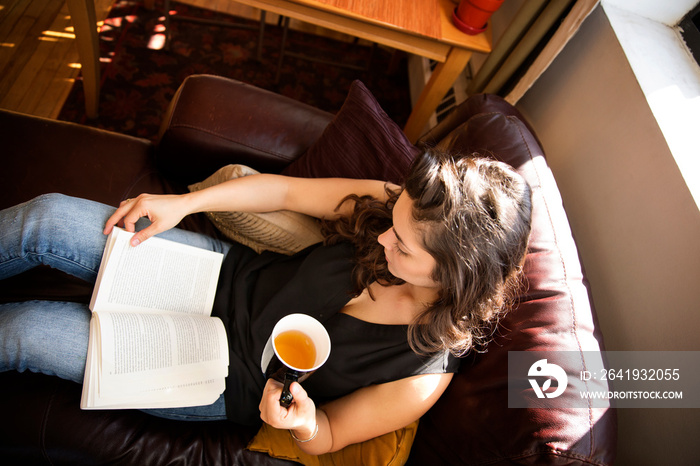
(364, 414)
(317, 197)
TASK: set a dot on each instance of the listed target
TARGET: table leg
(85, 23)
(441, 79)
(261, 35)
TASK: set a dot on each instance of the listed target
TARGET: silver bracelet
(313, 436)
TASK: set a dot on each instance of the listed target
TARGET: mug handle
(286, 397)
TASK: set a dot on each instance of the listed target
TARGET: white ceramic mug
(274, 366)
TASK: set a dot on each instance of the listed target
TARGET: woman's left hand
(300, 416)
(164, 212)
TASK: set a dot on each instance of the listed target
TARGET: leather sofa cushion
(56, 163)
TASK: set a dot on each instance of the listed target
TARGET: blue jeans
(52, 337)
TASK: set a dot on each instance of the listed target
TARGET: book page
(146, 360)
(178, 396)
(158, 275)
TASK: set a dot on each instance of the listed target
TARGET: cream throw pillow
(281, 231)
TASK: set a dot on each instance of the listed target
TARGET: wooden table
(421, 27)
(85, 24)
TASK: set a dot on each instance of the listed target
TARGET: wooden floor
(38, 57)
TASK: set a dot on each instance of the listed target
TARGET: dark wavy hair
(474, 215)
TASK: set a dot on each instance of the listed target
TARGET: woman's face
(405, 255)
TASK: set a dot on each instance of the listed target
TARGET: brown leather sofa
(471, 424)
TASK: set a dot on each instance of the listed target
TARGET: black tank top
(255, 291)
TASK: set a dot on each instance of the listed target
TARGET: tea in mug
(296, 349)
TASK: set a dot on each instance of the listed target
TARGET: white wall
(635, 222)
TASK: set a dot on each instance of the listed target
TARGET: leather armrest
(214, 121)
(474, 105)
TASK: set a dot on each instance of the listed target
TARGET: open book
(153, 343)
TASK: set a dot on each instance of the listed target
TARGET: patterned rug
(139, 76)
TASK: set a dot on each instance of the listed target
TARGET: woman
(405, 281)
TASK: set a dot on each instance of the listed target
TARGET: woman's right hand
(301, 414)
(164, 212)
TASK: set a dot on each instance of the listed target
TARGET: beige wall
(636, 225)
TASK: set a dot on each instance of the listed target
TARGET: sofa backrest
(472, 423)
(232, 122)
